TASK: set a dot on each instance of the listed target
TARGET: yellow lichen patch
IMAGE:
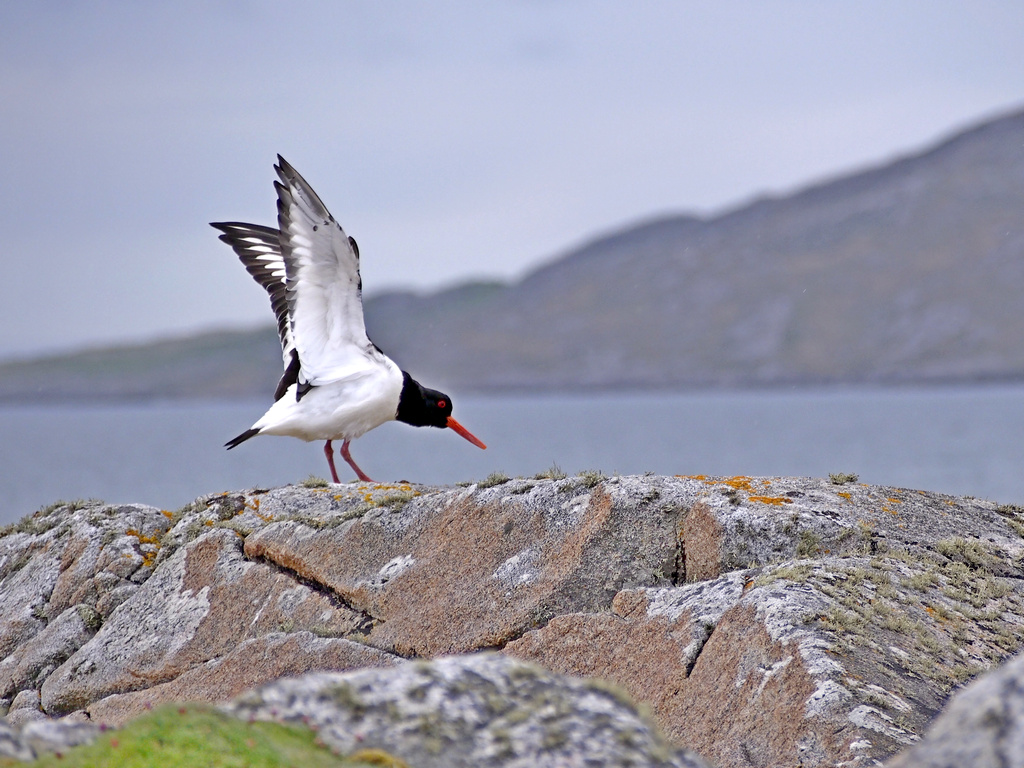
(739, 482)
(143, 538)
(148, 553)
(379, 758)
(403, 487)
(773, 500)
(254, 505)
(165, 513)
(892, 500)
(844, 494)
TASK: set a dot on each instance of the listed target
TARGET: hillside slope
(912, 271)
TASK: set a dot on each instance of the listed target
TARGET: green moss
(346, 697)
(189, 736)
(92, 620)
(242, 529)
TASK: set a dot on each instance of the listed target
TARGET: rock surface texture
(471, 710)
(762, 621)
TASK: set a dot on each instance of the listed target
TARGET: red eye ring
(441, 403)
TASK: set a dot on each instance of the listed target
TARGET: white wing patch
(323, 287)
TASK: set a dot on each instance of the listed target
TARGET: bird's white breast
(343, 409)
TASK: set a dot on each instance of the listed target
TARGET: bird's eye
(441, 403)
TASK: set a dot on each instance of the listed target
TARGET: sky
(455, 140)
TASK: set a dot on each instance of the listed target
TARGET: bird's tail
(241, 438)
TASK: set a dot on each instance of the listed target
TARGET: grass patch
(493, 479)
(970, 552)
(180, 737)
(314, 482)
(843, 478)
(554, 472)
(396, 499)
(43, 519)
(809, 544)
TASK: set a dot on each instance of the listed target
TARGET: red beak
(454, 425)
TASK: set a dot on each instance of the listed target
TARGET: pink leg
(347, 457)
(329, 453)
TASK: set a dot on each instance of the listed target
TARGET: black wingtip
(241, 438)
(284, 169)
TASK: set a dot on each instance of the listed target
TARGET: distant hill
(909, 272)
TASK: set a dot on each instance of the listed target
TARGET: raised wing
(259, 249)
(323, 289)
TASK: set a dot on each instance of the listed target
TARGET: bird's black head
(424, 407)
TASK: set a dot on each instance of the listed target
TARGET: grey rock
(25, 709)
(11, 744)
(33, 662)
(33, 738)
(63, 556)
(839, 616)
(982, 727)
(201, 602)
(56, 735)
(471, 710)
(251, 663)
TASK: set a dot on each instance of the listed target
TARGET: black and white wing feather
(259, 249)
(323, 289)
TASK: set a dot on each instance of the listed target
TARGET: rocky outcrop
(763, 621)
(479, 709)
(982, 727)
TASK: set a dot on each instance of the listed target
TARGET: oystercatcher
(337, 384)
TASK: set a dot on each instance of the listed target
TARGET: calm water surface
(967, 440)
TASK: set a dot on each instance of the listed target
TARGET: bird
(337, 384)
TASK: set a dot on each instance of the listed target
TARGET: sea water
(960, 440)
